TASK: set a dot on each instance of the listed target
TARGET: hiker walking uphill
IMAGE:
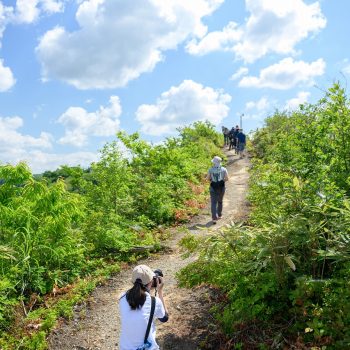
(225, 132)
(233, 138)
(241, 138)
(217, 175)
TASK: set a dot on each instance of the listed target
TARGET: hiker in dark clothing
(225, 132)
(233, 138)
(241, 138)
(217, 175)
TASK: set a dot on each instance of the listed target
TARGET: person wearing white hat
(135, 310)
(217, 175)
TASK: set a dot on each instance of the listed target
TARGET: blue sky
(74, 72)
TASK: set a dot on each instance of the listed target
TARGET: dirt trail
(95, 326)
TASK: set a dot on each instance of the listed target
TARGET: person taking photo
(138, 310)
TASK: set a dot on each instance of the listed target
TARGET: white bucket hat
(216, 160)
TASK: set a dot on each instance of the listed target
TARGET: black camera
(158, 273)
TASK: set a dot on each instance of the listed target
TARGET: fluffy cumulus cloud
(216, 41)
(80, 124)
(40, 161)
(11, 138)
(345, 66)
(25, 11)
(182, 105)
(257, 110)
(15, 146)
(28, 11)
(259, 105)
(5, 13)
(272, 26)
(285, 74)
(295, 102)
(6, 77)
(118, 40)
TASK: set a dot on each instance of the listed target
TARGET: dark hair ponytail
(136, 296)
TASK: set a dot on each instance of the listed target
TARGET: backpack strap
(153, 306)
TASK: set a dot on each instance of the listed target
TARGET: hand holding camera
(157, 282)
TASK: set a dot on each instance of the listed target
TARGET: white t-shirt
(134, 323)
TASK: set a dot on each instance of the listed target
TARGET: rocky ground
(95, 325)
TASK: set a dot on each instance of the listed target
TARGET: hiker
(241, 138)
(135, 307)
(225, 132)
(233, 138)
(217, 175)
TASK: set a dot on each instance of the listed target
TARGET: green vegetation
(60, 231)
(284, 274)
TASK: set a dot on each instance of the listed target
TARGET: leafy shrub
(61, 226)
(288, 267)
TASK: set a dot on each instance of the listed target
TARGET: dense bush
(41, 243)
(62, 225)
(147, 186)
(285, 273)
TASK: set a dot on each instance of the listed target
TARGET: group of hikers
(235, 139)
(138, 309)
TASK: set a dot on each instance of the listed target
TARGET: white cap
(144, 273)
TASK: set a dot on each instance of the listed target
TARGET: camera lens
(158, 272)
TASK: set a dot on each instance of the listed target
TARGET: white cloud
(345, 66)
(273, 26)
(118, 40)
(182, 105)
(258, 110)
(259, 105)
(16, 147)
(216, 41)
(5, 13)
(294, 103)
(240, 73)
(11, 138)
(286, 74)
(25, 11)
(80, 124)
(6, 77)
(28, 11)
(52, 6)
(40, 161)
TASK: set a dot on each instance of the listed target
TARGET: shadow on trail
(173, 342)
(201, 226)
(231, 161)
(200, 333)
